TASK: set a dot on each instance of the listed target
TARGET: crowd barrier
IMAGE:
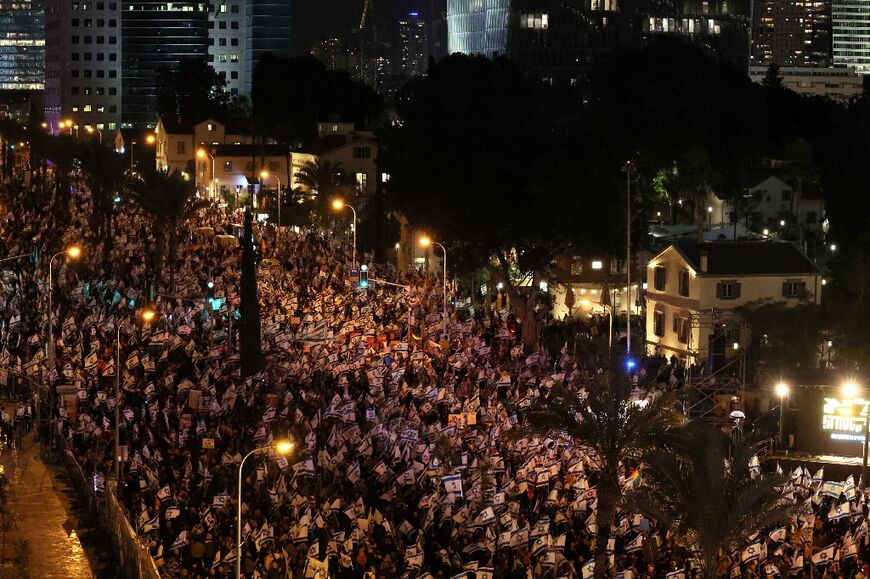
(135, 560)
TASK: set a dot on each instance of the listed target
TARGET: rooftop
(747, 257)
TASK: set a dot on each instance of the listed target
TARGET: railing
(136, 561)
(708, 387)
(764, 448)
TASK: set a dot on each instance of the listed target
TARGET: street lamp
(282, 447)
(851, 389)
(68, 124)
(628, 168)
(782, 390)
(73, 252)
(426, 242)
(338, 205)
(91, 131)
(264, 174)
(147, 316)
(202, 154)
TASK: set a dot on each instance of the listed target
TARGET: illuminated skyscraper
(413, 45)
(792, 33)
(22, 45)
(851, 34)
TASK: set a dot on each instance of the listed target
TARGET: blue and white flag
(838, 512)
(825, 556)
(453, 484)
(750, 553)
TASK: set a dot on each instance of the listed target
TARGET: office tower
(792, 33)
(413, 45)
(83, 65)
(335, 54)
(268, 31)
(556, 40)
(851, 34)
(22, 45)
(156, 35)
(227, 42)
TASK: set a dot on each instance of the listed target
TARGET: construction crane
(365, 11)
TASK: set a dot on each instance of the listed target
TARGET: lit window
(597, 264)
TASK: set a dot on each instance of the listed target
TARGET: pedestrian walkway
(41, 510)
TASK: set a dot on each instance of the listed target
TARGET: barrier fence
(135, 560)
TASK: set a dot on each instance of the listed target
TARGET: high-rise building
(268, 25)
(103, 58)
(227, 43)
(335, 54)
(556, 41)
(792, 33)
(851, 34)
(413, 45)
(156, 35)
(83, 65)
(22, 45)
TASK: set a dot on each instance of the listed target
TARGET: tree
(105, 175)
(699, 486)
(170, 199)
(321, 182)
(611, 429)
(191, 92)
(291, 95)
(772, 80)
(480, 160)
(249, 331)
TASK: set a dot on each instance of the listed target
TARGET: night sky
(318, 19)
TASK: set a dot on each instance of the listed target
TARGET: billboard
(845, 419)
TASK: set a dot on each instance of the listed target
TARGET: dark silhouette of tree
(291, 95)
(699, 486)
(105, 175)
(170, 199)
(192, 92)
(249, 331)
(612, 429)
(772, 79)
(323, 181)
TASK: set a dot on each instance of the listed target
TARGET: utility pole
(628, 168)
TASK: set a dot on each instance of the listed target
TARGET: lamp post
(426, 242)
(782, 391)
(628, 168)
(265, 175)
(851, 391)
(202, 154)
(91, 131)
(283, 448)
(147, 316)
(74, 252)
(338, 205)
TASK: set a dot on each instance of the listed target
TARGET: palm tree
(707, 495)
(105, 175)
(62, 154)
(322, 181)
(170, 199)
(612, 429)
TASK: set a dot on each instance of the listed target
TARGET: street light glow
(781, 389)
(200, 153)
(283, 447)
(850, 389)
(338, 204)
(148, 314)
(74, 252)
(264, 174)
(425, 241)
(150, 139)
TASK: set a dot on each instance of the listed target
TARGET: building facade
(792, 33)
(267, 30)
(227, 43)
(413, 45)
(556, 40)
(694, 288)
(839, 83)
(83, 74)
(22, 45)
(851, 34)
(156, 35)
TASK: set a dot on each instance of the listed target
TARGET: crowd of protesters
(400, 465)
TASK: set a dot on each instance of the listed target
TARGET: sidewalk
(42, 513)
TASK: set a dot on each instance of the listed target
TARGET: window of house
(273, 166)
(362, 152)
(786, 196)
(234, 25)
(361, 181)
(728, 290)
(179, 147)
(684, 282)
(659, 323)
(222, 25)
(222, 41)
(681, 328)
(228, 166)
(234, 75)
(234, 41)
(234, 9)
(793, 288)
(659, 278)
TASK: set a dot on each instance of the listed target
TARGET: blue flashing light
(630, 364)
(414, 14)
(117, 199)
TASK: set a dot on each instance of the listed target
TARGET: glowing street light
(203, 154)
(282, 447)
(264, 174)
(73, 252)
(91, 131)
(425, 241)
(338, 205)
(782, 391)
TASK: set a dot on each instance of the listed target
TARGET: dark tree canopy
(291, 95)
(192, 92)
